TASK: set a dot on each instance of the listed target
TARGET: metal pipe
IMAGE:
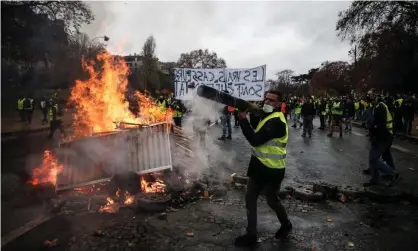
(225, 98)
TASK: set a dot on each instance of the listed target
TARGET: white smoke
(203, 110)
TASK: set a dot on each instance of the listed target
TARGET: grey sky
(282, 35)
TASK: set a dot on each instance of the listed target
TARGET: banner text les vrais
(247, 84)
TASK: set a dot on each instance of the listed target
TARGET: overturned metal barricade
(96, 159)
(183, 155)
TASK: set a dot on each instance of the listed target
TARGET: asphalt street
(368, 226)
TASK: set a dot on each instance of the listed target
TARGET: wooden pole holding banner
(224, 98)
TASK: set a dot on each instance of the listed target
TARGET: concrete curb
(320, 191)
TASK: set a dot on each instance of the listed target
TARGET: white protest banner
(247, 84)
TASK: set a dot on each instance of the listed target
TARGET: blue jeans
(226, 125)
(380, 159)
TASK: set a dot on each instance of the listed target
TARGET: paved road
(214, 224)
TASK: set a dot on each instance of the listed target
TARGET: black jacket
(349, 109)
(274, 128)
(379, 129)
(308, 109)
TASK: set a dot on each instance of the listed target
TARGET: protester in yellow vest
(380, 158)
(298, 110)
(20, 102)
(178, 108)
(162, 103)
(267, 166)
(337, 111)
(55, 118)
(28, 107)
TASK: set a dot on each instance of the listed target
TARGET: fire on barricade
(126, 157)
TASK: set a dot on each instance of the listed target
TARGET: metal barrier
(96, 159)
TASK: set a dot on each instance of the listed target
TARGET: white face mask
(267, 108)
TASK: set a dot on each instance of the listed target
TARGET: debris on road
(98, 232)
(162, 216)
(329, 220)
(189, 234)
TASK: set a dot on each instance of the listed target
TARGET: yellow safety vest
(324, 112)
(356, 105)
(162, 105)
(51, 114)
(272, 153)
(31, 104)
(298, 108)
(334, 110)
(399, 101)
(327, 108)
(20, 103)
(177, 113)
(389, 123)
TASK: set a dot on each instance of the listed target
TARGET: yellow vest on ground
(272, 153)
(20, 103)
(389, 123)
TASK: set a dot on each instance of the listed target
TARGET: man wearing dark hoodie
(308, 112)
(380, 158)
(267, 166)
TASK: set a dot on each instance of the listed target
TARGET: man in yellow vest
(28, 107)
(398, 123)
(337, 111)
(20, 103)
(267, 166)
(298, 110)
(162, 103)
(178, 108)
(55, 119)
(380, 158)
(322, 109)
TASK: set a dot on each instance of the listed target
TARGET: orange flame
(112, 207)
(152, 187)
(48, 171)
(100, 101)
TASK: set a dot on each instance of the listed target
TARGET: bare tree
(201, 59)
(149, 70)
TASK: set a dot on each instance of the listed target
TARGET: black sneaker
(222, 138)
(247, 240)
(294, 126)
(329, 135)
(303, 135)
(283, 231)
(300, 125)
(394, 180)
(229, 137)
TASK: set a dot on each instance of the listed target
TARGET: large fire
(100, 101)
(48, 171)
